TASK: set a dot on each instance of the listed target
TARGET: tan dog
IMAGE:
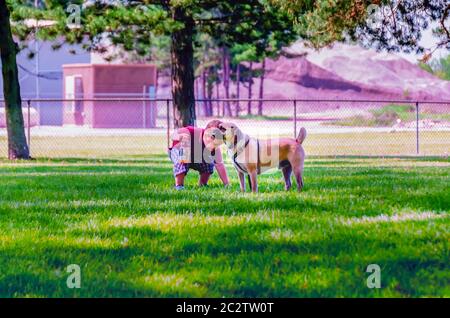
(253, 156)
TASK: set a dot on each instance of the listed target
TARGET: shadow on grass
(239, 260)
(303, 253)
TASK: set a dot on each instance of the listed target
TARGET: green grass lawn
(133, 235)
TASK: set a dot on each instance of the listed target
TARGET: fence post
(144, 112)
(29, 125)
(417, 128)
(295, 118)
(168, 122)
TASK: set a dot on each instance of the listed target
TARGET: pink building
(90, 81)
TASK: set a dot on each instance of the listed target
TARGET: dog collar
(238, 151)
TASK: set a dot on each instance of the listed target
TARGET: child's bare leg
(179, 179)
(203, 180)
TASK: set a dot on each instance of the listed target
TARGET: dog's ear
(216, 133)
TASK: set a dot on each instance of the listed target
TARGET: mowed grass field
(432, 143)
(133, 235)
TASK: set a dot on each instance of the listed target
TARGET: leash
(237, 153)
(240, 167)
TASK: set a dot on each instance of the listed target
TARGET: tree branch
(442, 22)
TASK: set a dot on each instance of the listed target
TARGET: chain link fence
(140, 128)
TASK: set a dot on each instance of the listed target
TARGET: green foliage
(126, 26)
(133, 24)
(439, 67)
(323, 22)
(442, 68)
(444, 73)
(243, 53)
(207, 56)
(393, 25)
(426, 67)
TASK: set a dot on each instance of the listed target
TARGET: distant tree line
(217, 67)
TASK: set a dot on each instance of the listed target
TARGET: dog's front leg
(241, 181)
(254, 181)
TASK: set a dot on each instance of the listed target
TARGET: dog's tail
(301, 135)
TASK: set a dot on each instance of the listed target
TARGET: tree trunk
(209, 89)
(226, 81)
(249, 105)
(196, 88)
(196, 94)
(17, 142)
(204, 94)
(217, 99)
(261, 88)
(182, 54)
(238, 82)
